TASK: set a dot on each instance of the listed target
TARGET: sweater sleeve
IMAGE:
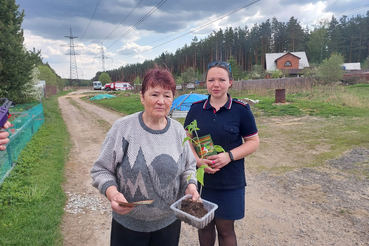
(103, 171)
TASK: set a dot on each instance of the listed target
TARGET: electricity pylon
(103, 57)
(73, 63)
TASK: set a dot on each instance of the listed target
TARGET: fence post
(32, 123)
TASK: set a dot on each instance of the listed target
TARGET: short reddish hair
(161, 77)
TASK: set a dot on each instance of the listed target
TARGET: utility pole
(73, 77)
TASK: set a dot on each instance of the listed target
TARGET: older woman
(4, 136)
(142, 158)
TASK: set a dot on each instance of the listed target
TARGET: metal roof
(351, 66)
(270, 59)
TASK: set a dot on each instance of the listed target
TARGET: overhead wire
(122, 20)
(221, 17)
(118, 24)
(341, 13)
(93, 15)
(139, 22)
(202, 26)
(361, 7)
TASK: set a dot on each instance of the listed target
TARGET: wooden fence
(291, 84)
(50, 90)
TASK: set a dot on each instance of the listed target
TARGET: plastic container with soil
(190, 219)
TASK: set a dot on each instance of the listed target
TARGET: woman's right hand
(114, 195)
(209, 163)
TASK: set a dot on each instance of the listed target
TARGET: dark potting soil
(194, 208)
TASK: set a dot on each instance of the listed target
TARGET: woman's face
(217, 81)
(157, 101)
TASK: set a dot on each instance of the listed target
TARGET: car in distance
(190, 86)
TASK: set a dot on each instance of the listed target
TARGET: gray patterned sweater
(145, 164)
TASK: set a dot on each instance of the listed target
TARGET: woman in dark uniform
(231, 125)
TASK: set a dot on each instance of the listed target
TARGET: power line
(140, 21)
(123, 20)
(361, 7)
(93, 14)
(340, 13)
(103, 57)
(198, 28)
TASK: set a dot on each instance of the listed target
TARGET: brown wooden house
(290, 63)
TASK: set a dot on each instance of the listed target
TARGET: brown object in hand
(133, 204)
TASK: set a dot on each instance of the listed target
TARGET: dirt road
(308, 206)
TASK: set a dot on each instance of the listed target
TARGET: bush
(331, 70)
(276, 74)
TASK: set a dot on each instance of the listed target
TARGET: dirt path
(87, 217)
(320, 206)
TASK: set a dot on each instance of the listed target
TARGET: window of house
(288, 64)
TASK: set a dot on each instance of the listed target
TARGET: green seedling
(209, 149)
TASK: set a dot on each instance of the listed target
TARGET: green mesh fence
(25, 124)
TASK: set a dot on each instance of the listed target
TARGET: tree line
(247, 46)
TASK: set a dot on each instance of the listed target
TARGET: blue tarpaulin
(184, 102)
(101, 96)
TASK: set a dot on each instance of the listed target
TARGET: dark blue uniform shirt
(227, 127)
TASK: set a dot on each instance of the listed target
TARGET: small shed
(351, 66)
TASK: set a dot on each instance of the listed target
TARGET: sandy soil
(328, 205)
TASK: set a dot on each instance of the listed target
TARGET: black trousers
(168, 236)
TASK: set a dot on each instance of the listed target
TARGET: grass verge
(125, 104)
(32, 198)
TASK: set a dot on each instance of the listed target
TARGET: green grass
(323, 101)
(339, 122)
(125, 104)
(31, 198)
(308, 144)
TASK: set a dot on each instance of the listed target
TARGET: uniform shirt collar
(227, 105)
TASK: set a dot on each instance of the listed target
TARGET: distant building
(41, 87)
(291, 63)
(351, 66)
(354, 73)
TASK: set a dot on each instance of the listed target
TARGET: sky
(109, 34)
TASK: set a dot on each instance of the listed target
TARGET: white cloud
(131, 49)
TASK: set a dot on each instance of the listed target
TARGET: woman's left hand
(218, 161)
(192, 190)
